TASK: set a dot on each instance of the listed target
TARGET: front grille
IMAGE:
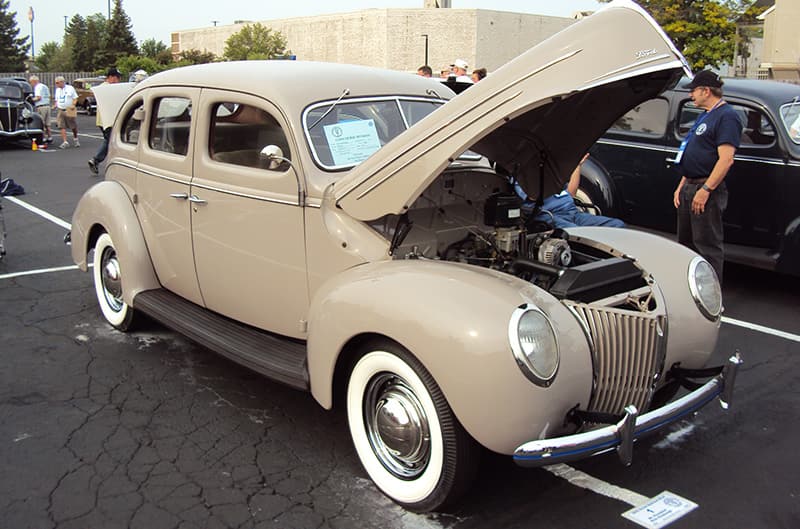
(628, 352)
(8, 118)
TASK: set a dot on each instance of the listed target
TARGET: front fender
(789, 258)
(106, 207)
(454, 319)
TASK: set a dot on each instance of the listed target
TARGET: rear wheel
(108, 284)
(406, 436)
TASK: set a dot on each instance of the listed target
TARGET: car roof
(770, 93)
(293, 85)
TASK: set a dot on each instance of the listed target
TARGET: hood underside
(535, 117)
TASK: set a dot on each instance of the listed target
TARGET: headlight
(704, 285)
(533, 342)
(26, 113)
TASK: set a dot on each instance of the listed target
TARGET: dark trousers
(102, 152)
(703, 233)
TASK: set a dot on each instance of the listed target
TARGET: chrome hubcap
(397, 426)
(111, 278)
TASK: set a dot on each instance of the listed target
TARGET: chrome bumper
(632, 426)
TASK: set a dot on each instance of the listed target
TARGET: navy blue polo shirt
(718, 127)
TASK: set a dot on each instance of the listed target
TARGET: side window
(239, 132)
(756, 126)
(757, 129)
(129, 132)
(170, 125)
(648, 118)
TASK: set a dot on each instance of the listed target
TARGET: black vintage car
(631, 173)
(18, 118)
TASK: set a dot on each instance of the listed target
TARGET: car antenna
(345, 92)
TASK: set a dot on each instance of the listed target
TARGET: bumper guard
(631, 427)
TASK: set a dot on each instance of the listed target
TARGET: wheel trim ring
(111, 279)
(384, 391)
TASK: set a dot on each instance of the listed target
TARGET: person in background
(41, 100)
(425, 71)
(112, 77)
(478, 74)
(560, 209)
(66, 111)
(704, 158)
(459, 69)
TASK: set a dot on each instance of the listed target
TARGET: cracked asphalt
(100, 429)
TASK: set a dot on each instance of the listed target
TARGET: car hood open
(535, 117)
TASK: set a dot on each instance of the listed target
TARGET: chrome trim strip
(247, 195)
(628, 66)
(578, 446)
(672, 150)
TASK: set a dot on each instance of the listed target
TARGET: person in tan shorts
(66, 112)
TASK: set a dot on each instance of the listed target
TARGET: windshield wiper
(333, 105)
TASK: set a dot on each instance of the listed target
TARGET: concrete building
(395, 38)
(781, 53)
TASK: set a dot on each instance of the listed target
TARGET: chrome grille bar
(626, 354)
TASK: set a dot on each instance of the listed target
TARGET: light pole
(30, 19)
(109, 9)
(426, 48)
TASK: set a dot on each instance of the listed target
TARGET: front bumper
(630, 428)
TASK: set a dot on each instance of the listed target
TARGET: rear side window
(649, 119)
(170, 127)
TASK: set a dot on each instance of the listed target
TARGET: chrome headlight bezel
(523, 315)
(705, 288)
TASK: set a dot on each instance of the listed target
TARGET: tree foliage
(156, 50)
(76, 34)
(255, 41)
(703, 30)
(187, 57)
(53, 57)
(119, 39)
(13, 49)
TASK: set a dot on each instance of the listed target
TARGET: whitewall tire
(108, 284)
(405, 433)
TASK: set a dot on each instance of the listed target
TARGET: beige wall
(392, 38)
(782, 38)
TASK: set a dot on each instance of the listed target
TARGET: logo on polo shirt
(701, 129)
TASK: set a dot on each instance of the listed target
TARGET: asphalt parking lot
(100, 429)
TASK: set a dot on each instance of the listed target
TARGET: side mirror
(138, 114)
(274, 155)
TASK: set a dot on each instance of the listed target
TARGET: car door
(163, 176)
(634, 153)
(247, 221)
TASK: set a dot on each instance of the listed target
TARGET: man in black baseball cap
(113, 76)
(704, 159)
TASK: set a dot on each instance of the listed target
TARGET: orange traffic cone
(34, 147)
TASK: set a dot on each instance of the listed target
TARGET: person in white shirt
(66, 112)
(459, 69)
(41, 100)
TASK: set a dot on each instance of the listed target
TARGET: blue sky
(158, 18)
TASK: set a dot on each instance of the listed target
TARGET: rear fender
(106, 207)
(789, 259)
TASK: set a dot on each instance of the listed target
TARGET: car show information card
(660, 511)
(352, 142)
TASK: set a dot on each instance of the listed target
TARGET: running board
(274, 356)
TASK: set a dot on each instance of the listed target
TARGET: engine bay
(474, 216)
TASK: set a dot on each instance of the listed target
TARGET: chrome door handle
(195, 200)
(672, 160)
(182, 196)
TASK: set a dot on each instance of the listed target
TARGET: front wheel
(404, 432)
(108, 284)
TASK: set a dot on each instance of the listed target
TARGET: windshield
(10, 92)
(351, 131)
(790, 115)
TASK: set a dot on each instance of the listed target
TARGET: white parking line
(598, 486)
(38, 272)
(45, 215)
(761, 328)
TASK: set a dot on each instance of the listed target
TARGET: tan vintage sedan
(339, 229)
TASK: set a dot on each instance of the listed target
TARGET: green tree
(703, 30)
(156, 50)
(131, 63)
(13, 49)
(254, 42)
(51, 57)
(76, 34)
(119, 40)
(187, 57)
(95, 39)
